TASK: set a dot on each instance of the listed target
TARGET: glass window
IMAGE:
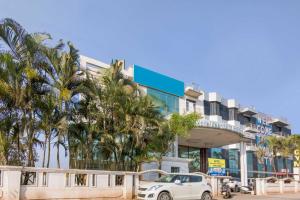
(170, 178)
(216, 153)
(206, 108)
(184, 178)
(183, 152)
(233, 114)
(214, 108)
(194, 155)
(175, 169)
(194, 179)
(190, 105)
(224, 112)
(167, 103)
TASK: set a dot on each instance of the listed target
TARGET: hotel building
(227, 130)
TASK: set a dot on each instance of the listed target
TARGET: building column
(243, 164)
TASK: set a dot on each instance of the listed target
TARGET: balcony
(193, 91)
(250, 128)
(281, 122)
(248, 111)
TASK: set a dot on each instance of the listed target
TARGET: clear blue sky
(247, 50)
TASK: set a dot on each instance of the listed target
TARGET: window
(233, 114)
(93, 180)
(224, 112)
(167, 103)
(190, 106)
(68, 180)
(183, 152)
(119, 180)
(80, 179)
(206, 108)
(194, 155)
(187, 106)
(184, 179)
(175, 169)
(44, 181)
(194, 179)
(214, 108)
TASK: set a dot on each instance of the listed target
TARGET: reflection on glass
(167, 103)
(194, 154)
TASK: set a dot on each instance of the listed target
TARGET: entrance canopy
(211, 134)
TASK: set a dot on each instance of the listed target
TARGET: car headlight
(155, 187)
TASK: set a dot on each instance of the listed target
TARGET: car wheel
(164, 196)
(206, 196)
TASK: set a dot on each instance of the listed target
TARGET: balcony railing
(249, 127)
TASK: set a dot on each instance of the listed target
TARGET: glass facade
(199, 161)
(233, 162)
(167, 103)
(193, 154)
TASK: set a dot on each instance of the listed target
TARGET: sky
(247, 50)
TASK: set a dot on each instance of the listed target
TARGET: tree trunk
(274, 166)
(49, 150)
(57, 155)
(44, 149)
(286, 167)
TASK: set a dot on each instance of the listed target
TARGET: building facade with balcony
(226, 129)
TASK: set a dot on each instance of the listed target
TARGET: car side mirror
(177, 182)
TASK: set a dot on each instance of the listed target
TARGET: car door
(197, 186)
(182, 190)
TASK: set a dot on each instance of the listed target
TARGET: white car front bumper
(147, 195)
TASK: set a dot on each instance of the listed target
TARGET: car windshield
(167, 178)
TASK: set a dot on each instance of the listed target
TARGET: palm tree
(287, 147)
(63, 79)
(261, 154)
(273, 144)
(22, 60)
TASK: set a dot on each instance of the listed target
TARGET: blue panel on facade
(158, 81)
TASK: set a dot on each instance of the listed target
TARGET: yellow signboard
(297, 158)
(216, 163)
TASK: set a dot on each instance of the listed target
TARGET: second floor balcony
(251, 128)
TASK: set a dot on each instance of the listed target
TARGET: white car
(176, 186)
